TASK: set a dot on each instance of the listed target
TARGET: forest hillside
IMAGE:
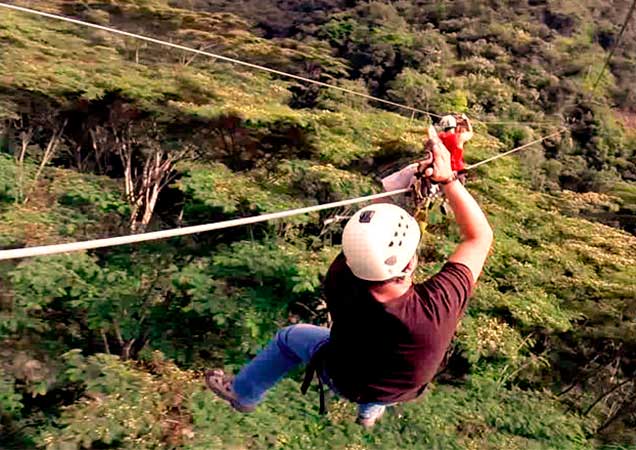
(102, 135)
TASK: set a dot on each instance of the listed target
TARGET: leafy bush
(335, 100)
(123, 405)
(413, 89)
(324, 182)
(488, 337)
(10, 400)
(7, 178)
(217, 187)
(488, 94)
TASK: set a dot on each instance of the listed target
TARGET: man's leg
(290, 347)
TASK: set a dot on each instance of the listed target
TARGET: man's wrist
(449, 180)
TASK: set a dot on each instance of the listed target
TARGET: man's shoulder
(453, 278)
(455, 270)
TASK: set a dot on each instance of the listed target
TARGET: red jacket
(451, 141)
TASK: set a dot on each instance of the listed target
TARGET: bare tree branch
(48, 155)
(605, 394)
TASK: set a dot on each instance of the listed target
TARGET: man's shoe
(369, 422)
(221, 384)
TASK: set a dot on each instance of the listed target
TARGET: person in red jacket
(454, 138)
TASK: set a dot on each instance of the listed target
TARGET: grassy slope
(546, 269)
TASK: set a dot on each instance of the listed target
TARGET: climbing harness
(424, 192)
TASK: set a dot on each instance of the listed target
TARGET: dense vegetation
(102, 135)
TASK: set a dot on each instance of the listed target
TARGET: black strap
(309, 375)
(323, 402)
(313, 368)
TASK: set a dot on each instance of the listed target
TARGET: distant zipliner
(389, 336)
(456, 130)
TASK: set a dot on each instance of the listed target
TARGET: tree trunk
(142, 185)
(46, 158)
(25, 139)
(105, 341)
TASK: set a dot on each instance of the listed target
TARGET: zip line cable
(630, 14)
(512, 122)
(514, 150)
(234, 61)
(176, 232)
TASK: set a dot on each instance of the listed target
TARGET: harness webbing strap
(315, 367)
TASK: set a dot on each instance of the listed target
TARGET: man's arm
(476, 232)
(466, 135)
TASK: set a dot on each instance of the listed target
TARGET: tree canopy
(102, 135)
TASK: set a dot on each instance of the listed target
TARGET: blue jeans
(290, 347)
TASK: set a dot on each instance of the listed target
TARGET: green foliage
(89, 193)
(488, 337)
(488, 94)
(275, 264)
(218, 187)
(123, 405)
(557, 291)
(453, 101)
(350, 135)
(414, 89)
(120, 302)
(512, 135)
(335, 100)
(10, 400)
(479, 415)
(7, 178)
(324, 181)
(248, 288)
(38, 283)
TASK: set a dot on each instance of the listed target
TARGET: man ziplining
(456, 131)
(389, 335)
(454, 135)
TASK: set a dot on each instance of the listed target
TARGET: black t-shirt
(388, 352)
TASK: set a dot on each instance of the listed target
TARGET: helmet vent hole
(400, 244)
(403, 234)
(391, 244)
(396, 234)
(366, 216)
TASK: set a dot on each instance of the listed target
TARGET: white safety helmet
(379, 241)
(448, 122)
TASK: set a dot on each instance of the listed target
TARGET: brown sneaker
(221, 384)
